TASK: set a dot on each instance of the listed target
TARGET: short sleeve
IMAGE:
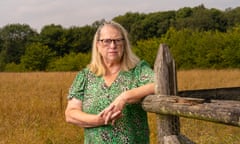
(77, 88)
(144, 73)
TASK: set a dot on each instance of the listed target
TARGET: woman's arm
(135, 95)
(75, 115)
(128, 97)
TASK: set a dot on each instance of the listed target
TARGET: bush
(12, 67)
(147, 50)
(70, 62)
(37, 57)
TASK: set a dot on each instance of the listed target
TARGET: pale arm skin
(128, 97)
(75, 115)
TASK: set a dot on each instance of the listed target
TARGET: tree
(184, 12)
(232, 16)
(147, 49)
(37, 57)
(231, 52)
(54, 37)
(70, 62)
(14, 38)
(129, 19)
(2, 60)
(79, 39)
(154, 25)
(97, 23)
(200, 18)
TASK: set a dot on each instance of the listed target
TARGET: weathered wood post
(200, 104)
(168, 126)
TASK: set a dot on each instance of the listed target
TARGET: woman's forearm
(82, 119)
(136, 94)
(75, 115)
(128, 97)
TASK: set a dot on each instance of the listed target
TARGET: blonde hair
(128, 61)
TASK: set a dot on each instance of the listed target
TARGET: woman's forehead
(110, 30)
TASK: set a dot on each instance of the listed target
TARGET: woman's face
(110, 44)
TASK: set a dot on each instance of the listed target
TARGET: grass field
(32, 108)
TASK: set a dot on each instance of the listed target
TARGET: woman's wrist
(99, 120)
(124, 97)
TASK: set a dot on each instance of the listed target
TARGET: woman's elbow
(68, 118)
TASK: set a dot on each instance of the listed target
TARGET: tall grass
(32, 108)
(203, 132)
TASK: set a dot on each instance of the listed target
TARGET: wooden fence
(219, 105)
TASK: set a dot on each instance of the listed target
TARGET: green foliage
(231, 51)
(199, 49)
(128, 20)
(14, 38)
(63, 41)
(184, 12)
(232, 16)
(80, 39)
(198, 38)
(147, 50)
(12, 67)
(37, 57)
(200, 18)
(53, 36)
(153, 25)
(176, 40)
(70, 62)
(2, 60)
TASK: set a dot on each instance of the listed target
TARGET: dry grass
(32, 108)
(203, 132)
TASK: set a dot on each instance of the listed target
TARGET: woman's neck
(112, 69)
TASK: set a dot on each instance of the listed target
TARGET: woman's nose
(113, 44)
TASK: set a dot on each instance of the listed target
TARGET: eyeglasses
(107, 42)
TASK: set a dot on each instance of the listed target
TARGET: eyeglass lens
(109, 41)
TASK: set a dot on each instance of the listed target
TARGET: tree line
(198, 38)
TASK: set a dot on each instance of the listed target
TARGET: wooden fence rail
(222, 111)
(220, 105)
(232, 93)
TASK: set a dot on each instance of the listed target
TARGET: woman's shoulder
(143, 72)
(82, 73)
(141, 64)
(86, 73)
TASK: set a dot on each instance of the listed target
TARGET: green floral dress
(132, 128)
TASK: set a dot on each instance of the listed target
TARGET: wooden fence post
(168, 106)
(168, 126)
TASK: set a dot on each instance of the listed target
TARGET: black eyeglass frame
(109, 41)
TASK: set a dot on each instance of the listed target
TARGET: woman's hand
(75, 115)
(119, 102)
(109, 115)
(114, 110)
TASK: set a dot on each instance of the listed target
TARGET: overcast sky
(38, 13)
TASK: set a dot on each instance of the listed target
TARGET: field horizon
(33, 103)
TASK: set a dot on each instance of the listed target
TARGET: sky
(67, 13)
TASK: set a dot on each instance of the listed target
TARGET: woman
(105, 97)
